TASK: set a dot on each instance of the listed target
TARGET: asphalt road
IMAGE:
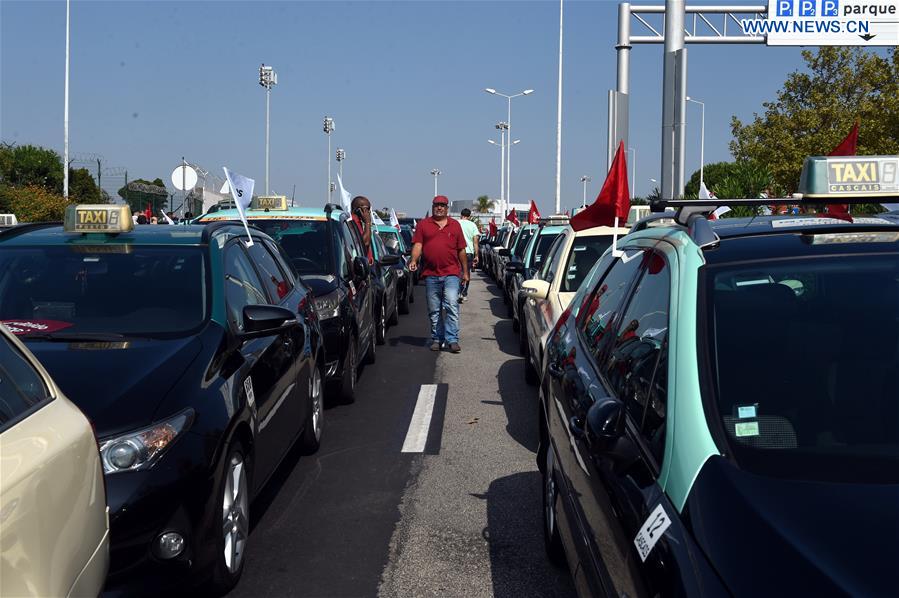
(461, 517)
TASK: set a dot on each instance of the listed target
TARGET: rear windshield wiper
(74, 337)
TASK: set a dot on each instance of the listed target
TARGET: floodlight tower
(268, 78)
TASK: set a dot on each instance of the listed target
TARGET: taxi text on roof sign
(827, 176)
(269, 202)
(98, 218)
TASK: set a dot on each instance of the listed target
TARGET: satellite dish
(184, 178)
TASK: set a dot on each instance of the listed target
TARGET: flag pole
(615, 251)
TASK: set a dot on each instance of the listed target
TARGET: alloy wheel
(235, 513)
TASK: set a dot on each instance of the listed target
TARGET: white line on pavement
(417, 436)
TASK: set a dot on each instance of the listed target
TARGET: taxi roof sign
(269, 202)
(98, 218)
(854, 176)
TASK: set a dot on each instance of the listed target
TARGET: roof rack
(691, 215)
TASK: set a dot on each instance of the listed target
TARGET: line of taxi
(200, 356)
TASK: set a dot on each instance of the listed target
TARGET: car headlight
(141, 449)
(328, 306)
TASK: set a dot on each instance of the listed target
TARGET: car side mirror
(605, 423)
(361, 268)
(515, 267)
(535, 289)
(504, 252)
(389, 260)
(266, 320)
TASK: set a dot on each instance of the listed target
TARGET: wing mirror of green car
(605, 424)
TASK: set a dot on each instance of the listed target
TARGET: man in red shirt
(439, 244)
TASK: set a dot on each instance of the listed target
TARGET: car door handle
(554, 370)
(576, 427)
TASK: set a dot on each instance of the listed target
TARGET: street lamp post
(65, 117)
(328, 128)
(701, 138)
(633, 153)
(435, 173)
(341, 156)
(585, 179)
(509, 129)
(268, 78)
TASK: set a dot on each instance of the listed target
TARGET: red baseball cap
(440, 199)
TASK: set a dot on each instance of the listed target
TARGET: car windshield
(391, 241)
(585, 251)
(304, 241)
(81, 290)
(806, 375)
(544, 242)
(521, 243)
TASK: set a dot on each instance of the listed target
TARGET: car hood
(774, 536)
(118, 385)
(320, 284)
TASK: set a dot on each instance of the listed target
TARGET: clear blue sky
(152, 81)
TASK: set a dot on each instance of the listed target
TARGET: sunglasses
(440, 205)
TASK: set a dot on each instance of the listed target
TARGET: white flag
(345, 198)
(242, 192)
(225, 189)
(394, 221)
(704, 191)
(166, 216)
(376, 219)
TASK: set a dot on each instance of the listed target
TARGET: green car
(719, 407)
(394, 244)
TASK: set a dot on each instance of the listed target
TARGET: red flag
(847, 147)
(492, 228)
(512, 217)
(613, 200)
(148, 213)
(533, 213)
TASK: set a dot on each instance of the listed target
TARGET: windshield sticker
(20, 327)
(746, 411)
(248, 387)
(743, 429)
(653, 529)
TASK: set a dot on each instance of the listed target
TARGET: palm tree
(483, 204)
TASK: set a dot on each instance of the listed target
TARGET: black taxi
(196, 353)
(719, 410)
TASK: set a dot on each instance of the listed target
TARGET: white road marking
(417, 436)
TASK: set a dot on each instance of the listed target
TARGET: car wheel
(381, 324)
(552, 541)
(395, 316)
(350, 367)
(522, 337)
(312, 430)
(407, 299)
(370, 352)
(234, 528)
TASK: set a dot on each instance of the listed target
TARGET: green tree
(141, 192)
(22, 165)
(32, 203)
(483, 204)
(815, 110)
(82, 188)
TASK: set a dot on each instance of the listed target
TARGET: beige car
(54, 525)
(567, 262)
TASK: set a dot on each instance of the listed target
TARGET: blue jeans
(443, 292)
